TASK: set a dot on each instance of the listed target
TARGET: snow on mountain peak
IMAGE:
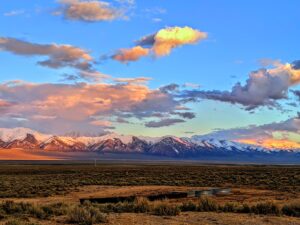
(126, 139)
(20, 133)
(172, 143)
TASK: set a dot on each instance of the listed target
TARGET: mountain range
(170, 146)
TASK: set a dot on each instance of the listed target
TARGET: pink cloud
(69, 107)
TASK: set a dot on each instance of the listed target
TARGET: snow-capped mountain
(29, 142)
(20, 133)
(56, 143)
(173, 146)
(22, 138)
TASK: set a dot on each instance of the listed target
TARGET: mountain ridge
(170, 146)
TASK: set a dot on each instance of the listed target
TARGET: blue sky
(240, 35)
(244, 32)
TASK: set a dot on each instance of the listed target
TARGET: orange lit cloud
(4, 104)
(272, 143)
(90, 11)
(101, 123)
(264, 135)
(84, 107)
(172, 37)
(132, 54)
(292, 73)
(138, 80)
(43, 117)
(161, 43)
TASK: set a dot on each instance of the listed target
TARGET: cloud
(238, 133)
(132, 54)
(191, 85)
(156, 20)
(269, 62)
(264, 87)
(101, 123)
(185, 115)
(155, 10)
(292, 104)
(273, 135)
(147, 41)
(59, 56)
(169, 88)
(61, 108)
(296, 93)
(163, 123)
(4, 104)
(69, 77)
(91, 11)
(93, 76)
(155, 102)
(282, 144)
(173, 37)
(121, 120)
(253, 132)
(290, 125)
(296, 65)
(90, 76)
(129, 2)
(137, 80)
(160, 43)
(14, 12)
(43, 117)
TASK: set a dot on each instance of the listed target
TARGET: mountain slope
(62, 144)
(20, 133)
(29, 142)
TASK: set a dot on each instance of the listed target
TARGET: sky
(152, 68)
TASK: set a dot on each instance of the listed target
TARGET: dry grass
(89, 214)
(196, 218)
(46, 180)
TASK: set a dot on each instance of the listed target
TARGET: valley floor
(47, 193)
(33, 156)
